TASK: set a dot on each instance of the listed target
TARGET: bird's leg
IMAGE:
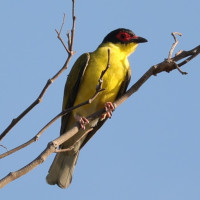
(109, 108)
(82, 121)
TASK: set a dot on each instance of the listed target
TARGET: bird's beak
(138, 39)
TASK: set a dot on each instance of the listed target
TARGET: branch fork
(169, 59)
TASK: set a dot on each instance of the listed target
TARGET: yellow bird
(81, 85)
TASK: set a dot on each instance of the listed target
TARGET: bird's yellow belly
(112, 81)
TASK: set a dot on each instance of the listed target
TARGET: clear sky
(150, 148)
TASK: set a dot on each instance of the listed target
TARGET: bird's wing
(122, 90)
(124, 84)
(72, 85)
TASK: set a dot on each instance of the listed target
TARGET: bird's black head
(124, 36)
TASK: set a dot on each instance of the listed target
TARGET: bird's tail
(62, 168)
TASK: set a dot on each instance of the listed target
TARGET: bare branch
(169, 66)
(174, 44)
(51, 148)
(179, 69)
(59, 35)
(99, 86)
(155, 69)
(73, 25)
(69, 38)
(172, 50)
(39, 160)
(50, 81)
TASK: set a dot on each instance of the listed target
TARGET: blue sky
(150, 148)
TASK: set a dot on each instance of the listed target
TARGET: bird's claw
(109, 108)
(82, 122)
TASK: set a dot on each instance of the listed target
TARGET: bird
(81, 85)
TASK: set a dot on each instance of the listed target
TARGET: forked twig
(172, 50)
(59, 36)
(50, 81)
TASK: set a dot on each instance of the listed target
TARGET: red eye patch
(124, 36)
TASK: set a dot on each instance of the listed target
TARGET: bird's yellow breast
(112, 79)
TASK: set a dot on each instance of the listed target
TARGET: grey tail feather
(62, 168)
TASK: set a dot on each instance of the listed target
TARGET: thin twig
(188, 59)
(169, 66)
(24, 170)
(179, 69)
(73, 25)
(172, 50)
(59, 35)
(4, 147)
(49, 82)
(174, 44)
(99, 86)
(36, 137)
(69, 39)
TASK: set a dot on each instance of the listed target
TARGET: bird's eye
(123, 36)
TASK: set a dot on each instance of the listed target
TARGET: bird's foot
(109, 108)
(82, 121)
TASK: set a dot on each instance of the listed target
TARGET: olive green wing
(125, 84)
(122, 90)
(72, 85)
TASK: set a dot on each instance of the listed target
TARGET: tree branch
(174, 44)
(172, 50)
(51, 80)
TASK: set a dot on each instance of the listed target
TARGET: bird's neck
(123, 49)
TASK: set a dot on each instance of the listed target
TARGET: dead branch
(172, 50)
(174, 44)
(164, 66)
(60, 38)
(51, 80)
(52, 146)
